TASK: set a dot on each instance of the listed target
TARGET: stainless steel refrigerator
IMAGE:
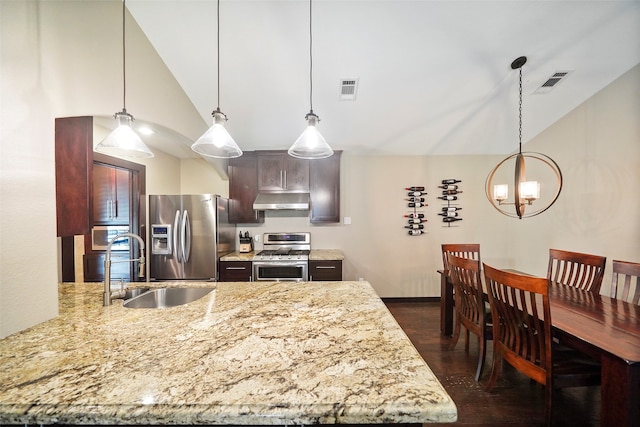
(188, 234)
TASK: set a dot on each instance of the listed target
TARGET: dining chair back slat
(582, 271)
(625, 283)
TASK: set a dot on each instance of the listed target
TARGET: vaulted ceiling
(433, 77)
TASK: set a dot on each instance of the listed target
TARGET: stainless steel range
(285, 257)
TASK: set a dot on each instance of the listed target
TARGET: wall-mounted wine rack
(450, 194)
(416, 219)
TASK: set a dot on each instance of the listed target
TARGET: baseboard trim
(410, 299)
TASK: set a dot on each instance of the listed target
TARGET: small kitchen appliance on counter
(285, 257)
(246, 243)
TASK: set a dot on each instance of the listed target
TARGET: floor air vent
(348, 89)
(552, 82)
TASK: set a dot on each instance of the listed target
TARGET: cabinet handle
(330, 267)
(235, 268)
(281, 180)
(285, 180)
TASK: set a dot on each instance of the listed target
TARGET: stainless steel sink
(134, 292)
(166, 297)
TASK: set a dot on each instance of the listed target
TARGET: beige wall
(52, 67)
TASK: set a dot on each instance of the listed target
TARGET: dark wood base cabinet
(235, 271)
(325, 270)
(94, 267)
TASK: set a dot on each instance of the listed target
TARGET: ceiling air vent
(348, 89)
(552, 81)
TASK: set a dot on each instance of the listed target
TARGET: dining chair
(470, 310)
(625, 272)
(462, 250)
(522, 336)
(582, 271)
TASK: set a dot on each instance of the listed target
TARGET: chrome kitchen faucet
(108, 295)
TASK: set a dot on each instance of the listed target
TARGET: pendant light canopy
(217, 142)
(123, 140)
(311, 144)
(525, 192)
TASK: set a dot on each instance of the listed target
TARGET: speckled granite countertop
(246, 353)
(314, 255)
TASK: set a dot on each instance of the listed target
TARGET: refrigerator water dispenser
(161, 239)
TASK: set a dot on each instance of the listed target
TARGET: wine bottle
(417, 204)
(450, 181)
(445, 192)
(415, 232)
(416, 220)
(415, 188)
(416, 199)
(448, 187)
(415, 193)
(451, 208)
(448, 214)
(449, 219)
(415, 215)
(448, 197)
(415, 226)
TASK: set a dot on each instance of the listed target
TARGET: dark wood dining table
(606, 329)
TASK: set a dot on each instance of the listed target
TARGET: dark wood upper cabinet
(243, 189)
(74, 158)
(324, 189)
(279, 172)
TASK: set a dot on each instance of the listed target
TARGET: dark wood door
(324, 189)
(243, 189)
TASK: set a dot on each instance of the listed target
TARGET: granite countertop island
(247, 353)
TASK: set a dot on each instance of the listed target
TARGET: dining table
(604, 328)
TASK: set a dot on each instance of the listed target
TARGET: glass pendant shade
(217, 142)
(123, 140)
(311, 144)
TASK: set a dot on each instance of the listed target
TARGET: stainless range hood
(281, 201)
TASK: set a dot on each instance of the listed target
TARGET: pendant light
(311, 144)
(525, 192)
(217, 142)
(123, 140)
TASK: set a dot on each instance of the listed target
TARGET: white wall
(61, 59)
(598, 149)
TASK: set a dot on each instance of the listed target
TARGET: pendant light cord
(310, 59)
(218, 40)
(124, 55)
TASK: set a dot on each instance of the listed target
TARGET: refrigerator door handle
(176, 224)
(186, 237)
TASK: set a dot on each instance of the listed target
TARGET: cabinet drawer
(235, 271)
(94, 267)
(325, 270)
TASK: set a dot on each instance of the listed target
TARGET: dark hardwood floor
(515, 401)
